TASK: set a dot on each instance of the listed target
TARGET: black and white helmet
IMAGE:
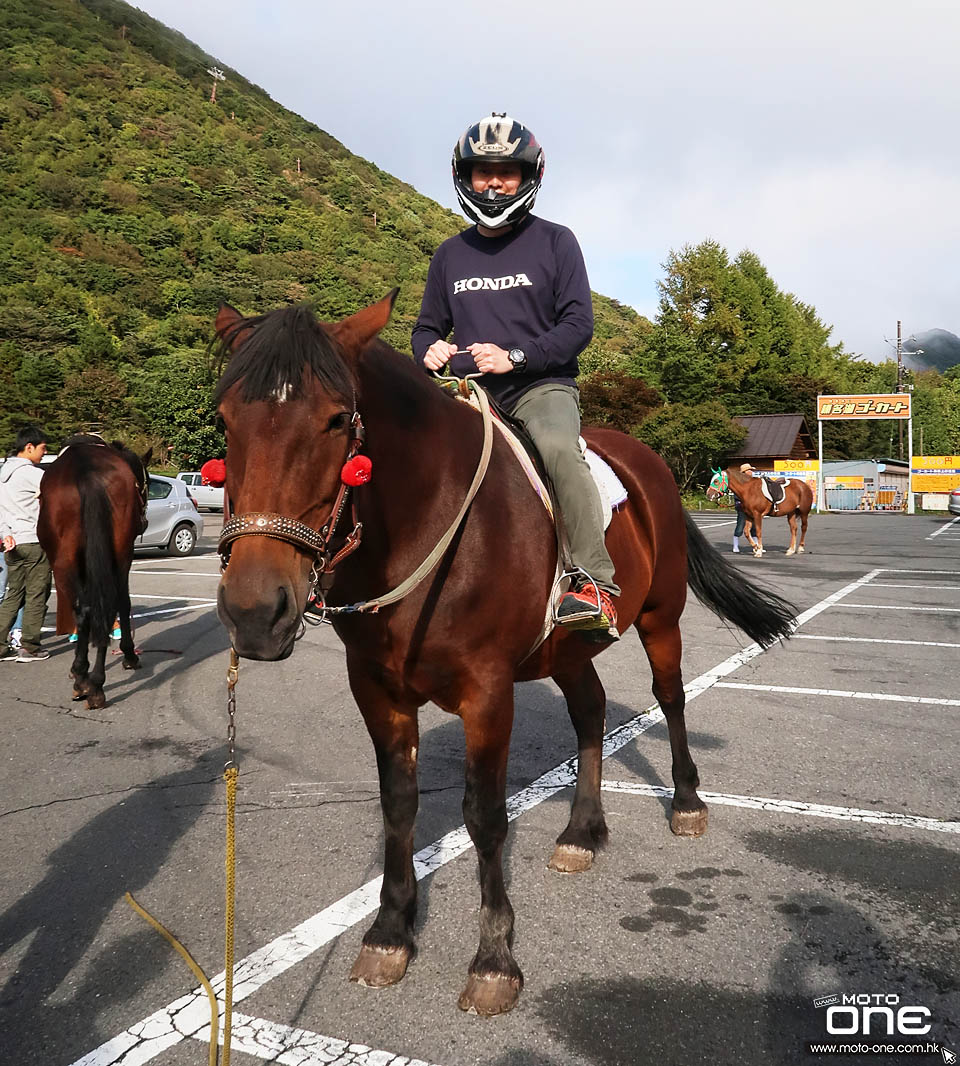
(497, 138)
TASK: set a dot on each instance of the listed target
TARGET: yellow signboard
(850, 482)
(879, 405)
(796, 466)
(935, 473)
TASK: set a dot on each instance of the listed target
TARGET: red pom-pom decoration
(213, 472)
(356, 471)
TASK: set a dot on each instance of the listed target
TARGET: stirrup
(576, 572)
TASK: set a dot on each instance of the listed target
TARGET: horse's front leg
(586, 831)
(792, 520)
(388, 945)
(758, 528)
(494, 979)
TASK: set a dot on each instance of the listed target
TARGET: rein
(306, 538)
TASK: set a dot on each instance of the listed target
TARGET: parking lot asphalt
(830, 765)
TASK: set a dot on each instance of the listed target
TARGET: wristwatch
(517, 359)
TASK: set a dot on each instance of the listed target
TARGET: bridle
(723, 485)
(299, 534)
(279, 527)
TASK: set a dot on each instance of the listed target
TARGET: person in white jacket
(28, 570)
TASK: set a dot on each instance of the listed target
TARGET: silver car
(954, 504)
(209, 496)
(173, 522)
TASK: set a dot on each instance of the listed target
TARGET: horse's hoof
(96, 700)
(689, 823)
(801, 549)
(789, 551)
(131, 664)
(490, 994)
(570, 859)
(379, 967)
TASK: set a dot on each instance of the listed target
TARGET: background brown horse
(796, 503)
(463, 636)
(92, 509)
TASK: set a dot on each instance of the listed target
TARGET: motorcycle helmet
(497, 138)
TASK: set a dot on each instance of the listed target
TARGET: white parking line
(896, 570)
(878, 640)
(814, 810)
(797, 690)
(896, 607)
(172, 599)
(176, 610)
(948, 528)
(189, 1014)
(890, 585)
(183, 573)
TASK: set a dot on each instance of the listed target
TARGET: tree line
(133, 206)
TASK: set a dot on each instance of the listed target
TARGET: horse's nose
(262, 626)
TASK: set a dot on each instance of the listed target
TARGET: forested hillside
(132, 205)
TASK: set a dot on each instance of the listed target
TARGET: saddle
(774, 490)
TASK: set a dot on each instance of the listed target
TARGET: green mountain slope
(132, 206)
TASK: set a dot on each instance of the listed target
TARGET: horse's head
(719, 484)
(287, 399)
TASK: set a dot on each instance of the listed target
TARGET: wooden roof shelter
(774, 437)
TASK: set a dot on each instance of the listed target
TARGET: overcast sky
(821, 135)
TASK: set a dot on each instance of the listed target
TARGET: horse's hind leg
(388, 945)
(494, 979)
(80, 667)
(804, 516)
(131, 661)
(94, 693)
(587, 829)
(663, 647)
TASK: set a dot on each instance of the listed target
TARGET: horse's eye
(338, 421)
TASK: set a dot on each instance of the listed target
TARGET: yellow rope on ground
(230, 776)
(193, 964)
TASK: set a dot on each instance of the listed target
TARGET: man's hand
(9, 544)
(490, 358)
(439, 354)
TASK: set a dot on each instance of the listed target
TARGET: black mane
(281, 347)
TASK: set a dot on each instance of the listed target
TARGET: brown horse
(92, 509)
(797, 501)
(291, 399)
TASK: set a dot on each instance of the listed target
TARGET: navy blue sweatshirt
(527, 289)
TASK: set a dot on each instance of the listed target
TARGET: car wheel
(183, 541)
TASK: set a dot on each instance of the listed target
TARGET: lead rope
(231, 771)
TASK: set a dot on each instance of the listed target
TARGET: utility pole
(217, 74)
(298, 164)
(900, 382)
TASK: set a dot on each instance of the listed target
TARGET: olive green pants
(28, 586)
(551, 415)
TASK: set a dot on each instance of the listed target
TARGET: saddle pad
(609, 487)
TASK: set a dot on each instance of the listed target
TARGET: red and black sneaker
(579, 609)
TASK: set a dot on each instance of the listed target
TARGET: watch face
(517, 357)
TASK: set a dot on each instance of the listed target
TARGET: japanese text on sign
(893, 405)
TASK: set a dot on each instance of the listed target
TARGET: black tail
(762, 615)
(98, 589)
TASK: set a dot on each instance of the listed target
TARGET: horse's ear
(356, 332)
(227, 325)
(146, 457)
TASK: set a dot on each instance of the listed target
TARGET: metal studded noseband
(266, 524)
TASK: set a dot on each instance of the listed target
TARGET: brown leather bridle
(292, 531)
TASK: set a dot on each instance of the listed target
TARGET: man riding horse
(514, 290)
